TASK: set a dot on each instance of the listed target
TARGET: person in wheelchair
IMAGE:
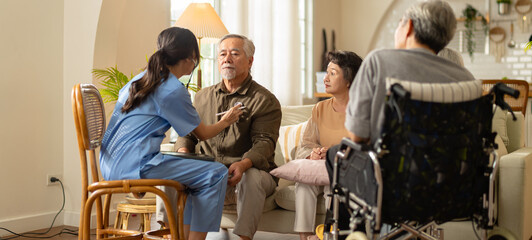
(424, 30)
(328, 116)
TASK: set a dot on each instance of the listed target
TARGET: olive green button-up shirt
(254, 136)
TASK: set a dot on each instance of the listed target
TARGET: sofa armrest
(515, 192)
(515, 131)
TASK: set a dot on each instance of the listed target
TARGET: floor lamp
(204, 22)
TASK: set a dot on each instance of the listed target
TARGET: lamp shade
(203, 21)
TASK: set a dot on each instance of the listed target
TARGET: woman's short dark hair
(174, 44)
(348, 61)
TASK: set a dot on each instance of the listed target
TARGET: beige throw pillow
(307, 171)
(290, 138)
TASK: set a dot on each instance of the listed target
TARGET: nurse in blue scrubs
(147, 107)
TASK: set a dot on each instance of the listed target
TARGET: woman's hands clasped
(318, 153)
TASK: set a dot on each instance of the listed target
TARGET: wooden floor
(134, 225)
(54, 233)
(211, 236)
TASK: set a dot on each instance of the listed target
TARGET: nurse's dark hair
(174, 44)
(348, 61)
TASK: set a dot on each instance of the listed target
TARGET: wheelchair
(434, 162)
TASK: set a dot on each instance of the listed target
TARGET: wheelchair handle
(499, 90)
(400, 91)
(503, 89)
(346, 142)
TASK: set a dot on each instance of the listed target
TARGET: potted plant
(471, 15)
(113, 80)
(503, 6)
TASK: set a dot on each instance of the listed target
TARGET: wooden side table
(322, 96)
(124, 211)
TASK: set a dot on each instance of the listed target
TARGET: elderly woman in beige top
(324, 129)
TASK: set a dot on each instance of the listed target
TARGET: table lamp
(204, 22)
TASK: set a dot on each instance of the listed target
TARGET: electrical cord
(38, 234)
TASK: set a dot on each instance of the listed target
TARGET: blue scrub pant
(207, 182)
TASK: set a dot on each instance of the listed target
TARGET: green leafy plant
(504, 1)
(471, 14)
(528, 46)
(112, 81)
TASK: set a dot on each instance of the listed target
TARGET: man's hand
(318, 153)
(236, 170)
(183, 150)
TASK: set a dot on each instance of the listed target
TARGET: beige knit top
(325, 128)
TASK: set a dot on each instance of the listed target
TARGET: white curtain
(273, 26)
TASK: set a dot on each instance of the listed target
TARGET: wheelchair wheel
(357, 236)
(500, 234)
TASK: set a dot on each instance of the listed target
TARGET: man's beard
(228, 73)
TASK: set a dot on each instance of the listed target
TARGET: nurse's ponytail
(174, 44)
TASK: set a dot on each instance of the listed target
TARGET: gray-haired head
(452, 55)
(434, 23)
(249, 47)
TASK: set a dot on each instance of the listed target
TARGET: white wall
(354, 22)
(81, 18)
(327, 15)
(31, 142)
(47, 47)
(360, 20)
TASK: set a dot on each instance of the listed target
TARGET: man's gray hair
(249, 47)
(434, 23)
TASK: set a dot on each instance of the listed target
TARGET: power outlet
(49, 179)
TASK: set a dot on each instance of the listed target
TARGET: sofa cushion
(307, 171)
(285, 197)
(501, 150)
(498, 124)
(516, 131)
(292, 115)
(295, 114)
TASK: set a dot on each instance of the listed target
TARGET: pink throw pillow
(307, 171)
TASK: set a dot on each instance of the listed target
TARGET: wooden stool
(124, 211)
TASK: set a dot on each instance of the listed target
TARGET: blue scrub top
(132, 140)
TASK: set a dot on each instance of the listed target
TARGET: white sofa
(276, 218)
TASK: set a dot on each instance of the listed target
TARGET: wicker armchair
(89, 118)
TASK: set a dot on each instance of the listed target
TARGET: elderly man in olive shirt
(247, 147)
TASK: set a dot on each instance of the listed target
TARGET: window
(305, 26)
(208, 65)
